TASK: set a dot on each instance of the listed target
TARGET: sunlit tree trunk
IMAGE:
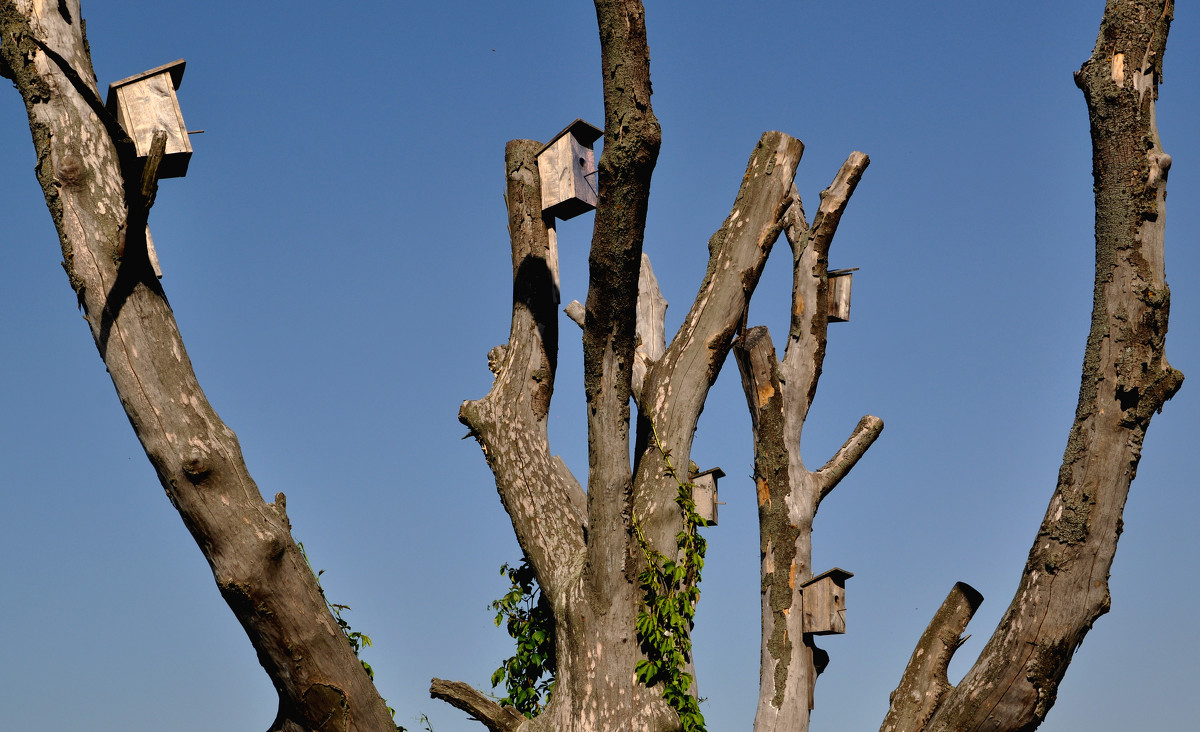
(93, 185)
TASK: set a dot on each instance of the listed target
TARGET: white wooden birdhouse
(825, 602)
(704, 493)
(567, 169)
(146, 103)
(839, 294)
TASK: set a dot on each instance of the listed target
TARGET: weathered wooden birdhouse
(839, 294)
(567, 169)
(704, 493)
(146, 103)
(825, 602)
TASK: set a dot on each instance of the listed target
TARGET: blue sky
(338, 262)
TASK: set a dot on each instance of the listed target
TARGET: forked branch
(779, 395)
(1125, 380)
(924, 683)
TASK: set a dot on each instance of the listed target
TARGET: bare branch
(651, 314)
(779, 395)
(810, 261)
(575, 312)
(1125, 380)
(848, 455)
(924, 683)
(834, 200)
(462, 696)
(795, 223)
(248, 543)
(542, 500)
(677, 386)
(631, 142)
(651, 317)
(804, 352)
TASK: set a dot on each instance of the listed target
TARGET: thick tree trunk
(779, 394)
(586, 549)
(88, 175)
(1126, 379)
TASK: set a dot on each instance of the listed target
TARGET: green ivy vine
(527, 675)
(664, 622)
(671, 591)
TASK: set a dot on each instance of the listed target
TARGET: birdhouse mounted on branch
(825, 602)
(704, 493)
(146, 103)
(839, 294)
(567, 170)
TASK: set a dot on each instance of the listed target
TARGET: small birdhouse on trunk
(567, 169)
(825, 602)
(146, 103)
(704, 493)
(839, 294)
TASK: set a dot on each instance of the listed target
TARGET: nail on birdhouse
(146, 103)
(704, 493)
(839, 294)
(825, 602)
(567, 170)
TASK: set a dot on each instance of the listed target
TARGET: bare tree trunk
(587, 550)
(779, 395)
(92, 183)
(1126, 379)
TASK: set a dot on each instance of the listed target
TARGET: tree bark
(93, 188)
(924, 683)
(779, 394)
(1125, 380)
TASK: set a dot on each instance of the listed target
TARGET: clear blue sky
(338, 262)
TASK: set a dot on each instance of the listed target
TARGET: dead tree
(591, 550)
(599, 554)
(1126, 379)
(99, 193)
(588, 548)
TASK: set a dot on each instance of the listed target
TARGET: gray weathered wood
(779, 394)
(825, 602)
(567, 168)
(704, 493)
(924, 683)
(1126, 379)
(248, 543)
(839, 295)
(146, 103)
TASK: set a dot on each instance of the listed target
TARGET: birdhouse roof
(175, 69)
(715, 472)
(837, 574)
(584, 132)
(840, 272)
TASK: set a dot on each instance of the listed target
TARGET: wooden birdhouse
(567, 169)
(825, 602)
(839, 294)
(704, 493)
(146, 103)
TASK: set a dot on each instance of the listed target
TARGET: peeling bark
(88, 180)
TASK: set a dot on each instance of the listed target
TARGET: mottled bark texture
(779, 394)
(582, 546)
(1125, 380)
(594, 594)
(93, 188)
